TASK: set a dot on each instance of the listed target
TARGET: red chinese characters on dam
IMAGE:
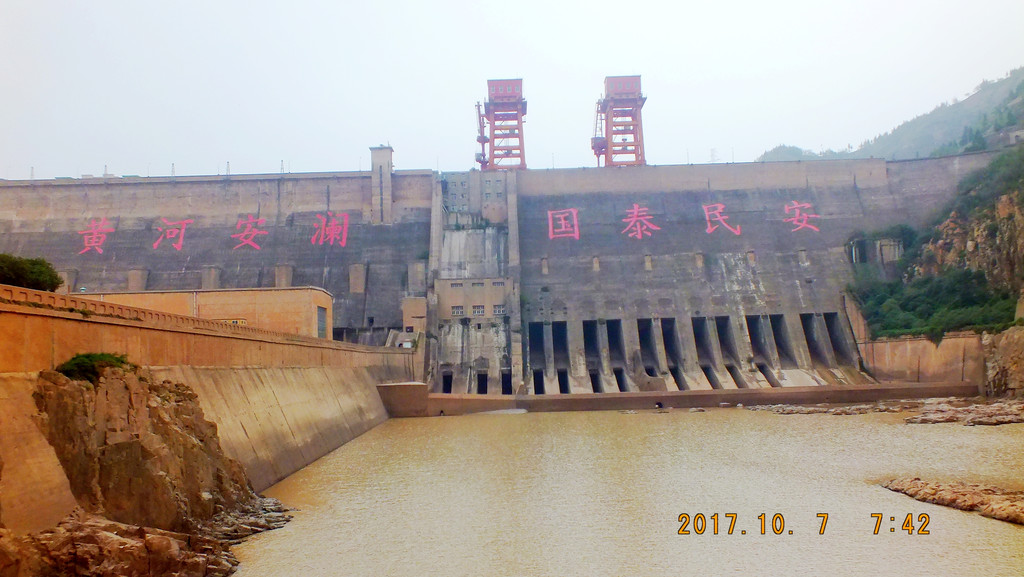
(330, 231)
(563, 223)
(715, 213)
(638, 222)
(800, 219)
(95, 235)
(248, 236)
(172, 230)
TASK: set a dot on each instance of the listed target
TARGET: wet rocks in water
(262, 514)
(994, 413)
(989, 501)
(87, 544)
(823, 409)
(947, 410)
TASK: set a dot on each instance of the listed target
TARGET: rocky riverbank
(953, 410)
(156, 494)
(989, 501)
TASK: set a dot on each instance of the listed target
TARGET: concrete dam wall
(554, 281)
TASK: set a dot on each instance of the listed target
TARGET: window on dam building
(457, 311)
(478, 310)
(499, 310)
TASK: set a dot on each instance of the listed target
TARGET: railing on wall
(87, 306)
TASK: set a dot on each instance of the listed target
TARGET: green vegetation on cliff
(87, 366)
(32, 273)
(939, 291)
(933, 305)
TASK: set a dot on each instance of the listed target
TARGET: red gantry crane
(618, 129)
(501, 126)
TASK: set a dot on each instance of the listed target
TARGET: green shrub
(31, 273)
(952, 300)
(87, 366)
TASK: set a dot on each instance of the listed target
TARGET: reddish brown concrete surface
(38, 332)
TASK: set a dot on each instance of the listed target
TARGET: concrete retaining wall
(276, 421)
(958, 357)
(39, 334)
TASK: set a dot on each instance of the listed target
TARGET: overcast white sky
(137, 86)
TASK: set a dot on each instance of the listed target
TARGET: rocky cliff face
(990, 240)
(156, 494)
(137, 451)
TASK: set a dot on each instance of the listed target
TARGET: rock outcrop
(139, 452)
(156, 494)
(997, 412)
(989, 240)
(989, 501)
(86, 544)
(1004, 362)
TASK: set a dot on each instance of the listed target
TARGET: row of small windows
(479, 284)
(478, 310)
(501, 88)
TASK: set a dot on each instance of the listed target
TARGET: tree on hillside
(32, 273)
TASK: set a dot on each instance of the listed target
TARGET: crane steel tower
(501, 126)
(618, 129)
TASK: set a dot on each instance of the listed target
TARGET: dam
(521, 282)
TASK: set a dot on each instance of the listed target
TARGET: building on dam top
(620, 277)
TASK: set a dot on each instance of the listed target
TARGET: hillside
(964, 273)
(986, 119)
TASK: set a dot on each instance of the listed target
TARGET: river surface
(600, 493)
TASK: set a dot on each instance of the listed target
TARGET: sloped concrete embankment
(276, 421)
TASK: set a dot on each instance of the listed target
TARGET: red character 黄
(95, 235)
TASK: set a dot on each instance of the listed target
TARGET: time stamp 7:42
(775, 524)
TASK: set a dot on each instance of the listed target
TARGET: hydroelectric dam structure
(617, 278)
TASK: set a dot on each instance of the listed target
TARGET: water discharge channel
(600, 493)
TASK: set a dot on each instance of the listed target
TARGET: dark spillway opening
(758, 338)
(535, 338)
(768, 375)
(560, 340)
(595, 381)
(446, 382)
(782, 344)
(815, 346)
(840, 344)
(620, 379)
(672, 353)
(645, 331)
(710, 374)
(616, 347)
(677, 374)
(701, 340)
(538, 382)
(563, 381)
(736, 375)
(506, 382)
(726, 339)
(481, 383)
(591, 346)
